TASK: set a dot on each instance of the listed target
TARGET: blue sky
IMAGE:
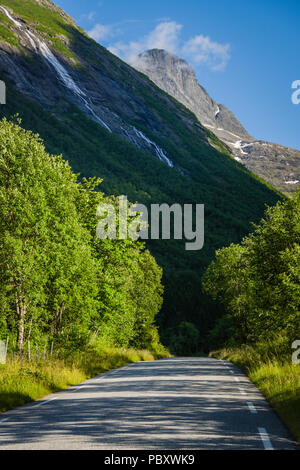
(245, 53)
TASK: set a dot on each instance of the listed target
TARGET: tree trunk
(30, 329)
(21, 312)
(57, 319)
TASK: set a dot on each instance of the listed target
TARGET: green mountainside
(203, 171)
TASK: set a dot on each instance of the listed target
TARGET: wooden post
(51, 350)
(29, 356)
(6, 347)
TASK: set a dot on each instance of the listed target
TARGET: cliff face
(177, 78)
(54, 62)
(277, 164)
(50, 59)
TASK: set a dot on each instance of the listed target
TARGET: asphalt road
(177, 403)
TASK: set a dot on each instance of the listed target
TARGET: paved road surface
(177, 403)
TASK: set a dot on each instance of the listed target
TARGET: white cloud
(101, 31)
(128, 52)
(201, 49)
(164, 36)
(87, 16)
(91, 15)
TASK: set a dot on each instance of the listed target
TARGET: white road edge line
(237, 379)
(265, 439)
(251, 407)
(44, 402)
(77, 388)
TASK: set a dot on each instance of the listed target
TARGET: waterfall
(63, 75)
(159, 152)
(40, 47)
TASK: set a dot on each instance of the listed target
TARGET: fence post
(29, 355)
(6, 347)
(2, 352)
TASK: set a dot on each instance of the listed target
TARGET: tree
(227, 281)
(258, 280)
(147, 291)
(46, 263)
(129, 281)
(56, 277)
(184, 339)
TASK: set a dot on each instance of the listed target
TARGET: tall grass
(22, 381)
(271, 369)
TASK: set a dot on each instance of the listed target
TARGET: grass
(8, 36)
(277, 378)
(48, 21)
(22, 383)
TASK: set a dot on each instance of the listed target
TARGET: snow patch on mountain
(116, 124)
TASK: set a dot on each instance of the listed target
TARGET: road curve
(174, 404)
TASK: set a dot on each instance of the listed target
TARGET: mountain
(110, 120)
(178, 79)
(277, 164)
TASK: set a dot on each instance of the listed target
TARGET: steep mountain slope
(109, 120)
(275, 163)
(178, 79)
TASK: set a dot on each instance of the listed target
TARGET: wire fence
(9, 350)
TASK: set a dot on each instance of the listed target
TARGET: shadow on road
(190, 403)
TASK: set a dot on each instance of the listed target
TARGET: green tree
(46, 266)
(274, 266)
(227, 281)
(147, 291)
(129, 282)
(258, 281)
(184, 340)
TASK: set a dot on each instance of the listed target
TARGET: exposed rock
(176, 77)
(277, 164)
(96, 86)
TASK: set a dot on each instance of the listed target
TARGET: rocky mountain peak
(175, 76)
(275, 163)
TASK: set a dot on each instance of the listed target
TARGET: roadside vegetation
(59, 283)
(23, 380)
(257, 282)
(276, 376)
(71, 305)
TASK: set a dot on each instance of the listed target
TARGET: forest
(59, 283)
(257, 281)
(232, 195)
